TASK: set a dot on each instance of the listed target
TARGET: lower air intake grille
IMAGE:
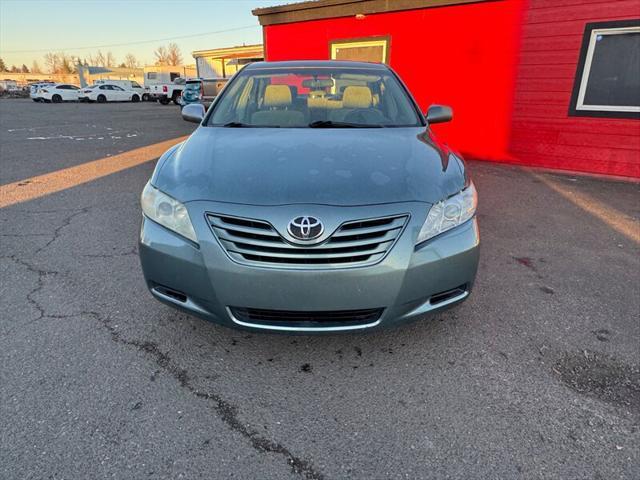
(293, 318)
(354, 243)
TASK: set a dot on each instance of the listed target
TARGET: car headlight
(449, 213)
(167, 211)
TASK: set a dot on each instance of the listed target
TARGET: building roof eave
(323, 9)
(230, 52)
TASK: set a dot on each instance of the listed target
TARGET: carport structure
(545, 83)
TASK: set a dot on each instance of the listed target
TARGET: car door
(62, 91)
(120, 94)
(106, 91)
(75, 92)
(70, 93)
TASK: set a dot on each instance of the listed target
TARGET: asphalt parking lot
(536, 376)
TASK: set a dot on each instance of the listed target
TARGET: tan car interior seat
(276, 108)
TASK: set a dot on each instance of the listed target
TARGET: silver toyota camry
(313, 197)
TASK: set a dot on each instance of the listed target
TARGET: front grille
(358, 242)
(292, 318)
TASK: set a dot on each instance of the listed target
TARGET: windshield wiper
(236, 125)
(243, 125)
(332, 124)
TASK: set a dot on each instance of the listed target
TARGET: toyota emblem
(305, 228)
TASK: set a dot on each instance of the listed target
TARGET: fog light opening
(448, 295)
(171, 293)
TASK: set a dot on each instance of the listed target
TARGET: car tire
(145, 97)
(37, 100)
(164, 101)
(102, 99)
(56, 98)
(135, 98)
(176, 98)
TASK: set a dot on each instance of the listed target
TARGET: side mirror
(193, 112)
(439, 114)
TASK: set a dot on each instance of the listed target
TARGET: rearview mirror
(439, 114)
(193, 112)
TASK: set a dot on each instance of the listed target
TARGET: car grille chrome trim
(354, 243)
(303, 321)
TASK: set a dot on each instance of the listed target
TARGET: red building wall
(464, 56)
(543, 132)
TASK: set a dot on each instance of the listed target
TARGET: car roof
(316, 64)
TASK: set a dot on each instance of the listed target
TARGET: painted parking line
(618, 221)
(48, 183)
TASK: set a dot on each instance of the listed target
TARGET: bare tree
(174, 56)
(51, 62)
(59, 63)
(3, 67)
(99, 60)
(169, 55)
(109, 60)
(24, 69)
(161, 55)
(130, 61)
(35, 67)
(66, 64)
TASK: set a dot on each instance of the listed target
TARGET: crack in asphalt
(65, 223)
(41, 273)
(226, 411)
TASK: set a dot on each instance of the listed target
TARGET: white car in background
(108, 92)
(59, 92)
(126, 84)
(34, 87)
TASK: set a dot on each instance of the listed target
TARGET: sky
(31, 28)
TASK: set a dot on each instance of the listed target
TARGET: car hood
(279, 166)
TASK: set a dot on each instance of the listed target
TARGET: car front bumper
(407, 284)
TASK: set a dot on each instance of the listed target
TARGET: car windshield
(192, 86)
(323, 97)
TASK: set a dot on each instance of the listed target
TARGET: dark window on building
(608, 75)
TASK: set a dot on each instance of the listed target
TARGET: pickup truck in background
(167, 92)
(202, 90)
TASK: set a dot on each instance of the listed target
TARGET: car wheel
(37, 100)
(102, 99)
(135, 99)
(176, 98)
(145, 97)
(56, 98)
(164, 101)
